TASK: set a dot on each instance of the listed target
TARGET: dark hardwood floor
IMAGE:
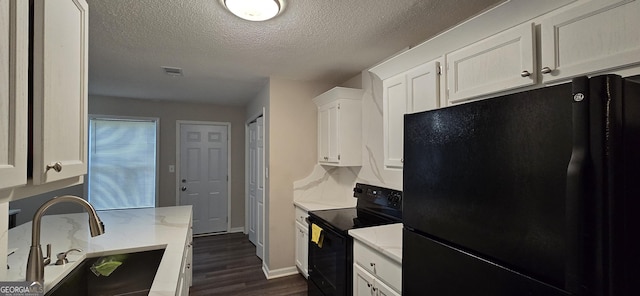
(227, 265)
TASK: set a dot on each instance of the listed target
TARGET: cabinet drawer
(301, 215)
(388, 270)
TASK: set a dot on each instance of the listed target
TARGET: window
(123, 158)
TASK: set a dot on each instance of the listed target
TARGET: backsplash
(334, 184)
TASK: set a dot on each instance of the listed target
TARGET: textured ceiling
(227, 60)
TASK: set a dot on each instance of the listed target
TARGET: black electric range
(331, 261)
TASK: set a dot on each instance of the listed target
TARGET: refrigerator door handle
(578, 182)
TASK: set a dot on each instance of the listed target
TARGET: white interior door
(260, 223)
(253, 177)
(204, 175)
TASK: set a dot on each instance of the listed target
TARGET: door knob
(184, 188)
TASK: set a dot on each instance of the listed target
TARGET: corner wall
(292, 156)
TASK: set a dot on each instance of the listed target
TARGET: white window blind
(122, 163)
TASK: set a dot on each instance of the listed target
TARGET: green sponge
(107, 265)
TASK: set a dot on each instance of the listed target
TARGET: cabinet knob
(525, 73)
(546, 70)
(56, 167)
(184, 188)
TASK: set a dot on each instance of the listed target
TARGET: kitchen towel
(316, 235)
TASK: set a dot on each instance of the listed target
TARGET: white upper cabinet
(53, 109)
(340, 127)
(415, 90)
(14, 54)
(501, 62)
(60, 47)
(593, 37)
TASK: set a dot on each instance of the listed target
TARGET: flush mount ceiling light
(254, 10)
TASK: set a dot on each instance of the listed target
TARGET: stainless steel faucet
(35, 262)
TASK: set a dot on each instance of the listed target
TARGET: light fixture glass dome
(254, 10)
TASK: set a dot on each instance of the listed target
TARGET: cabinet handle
(56, 167)
(525, 73)
(546, 70)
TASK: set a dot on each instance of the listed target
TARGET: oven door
(328, 264)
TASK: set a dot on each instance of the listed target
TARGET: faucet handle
(62, 257)
(47, 260)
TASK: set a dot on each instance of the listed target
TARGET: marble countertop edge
(386, 239)
(127, 231)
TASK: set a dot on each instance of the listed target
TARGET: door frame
(179, 124)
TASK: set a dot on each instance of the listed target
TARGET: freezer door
(491, 176)
(432, 268)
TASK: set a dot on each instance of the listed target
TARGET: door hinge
(338, 106)
(338, 156)
(439, 70)
(227, 178)
(227, 219)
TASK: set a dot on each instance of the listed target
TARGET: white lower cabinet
(374, 273)
(302, 241)
(365, 284)
(302, 248)
(186, 271)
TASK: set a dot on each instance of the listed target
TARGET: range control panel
(381, 196)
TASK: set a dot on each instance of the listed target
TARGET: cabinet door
(384, 290)
(501, 62)
(14, 34)
(423, 85)
(305, 251)
(395, 103)
(596, 36)
(362, 282)
(60, 48)
(302, 249)
(328, 133)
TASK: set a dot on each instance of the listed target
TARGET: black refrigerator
(534, 193)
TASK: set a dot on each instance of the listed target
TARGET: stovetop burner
(376, 206)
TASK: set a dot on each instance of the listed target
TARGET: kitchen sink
(133, 277)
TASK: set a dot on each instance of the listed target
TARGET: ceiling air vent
(172, 71)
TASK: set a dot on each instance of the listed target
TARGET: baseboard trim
(274, 274)
(236, 229)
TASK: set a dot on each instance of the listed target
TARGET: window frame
(126, 118)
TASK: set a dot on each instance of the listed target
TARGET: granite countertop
(386, 239)
(126, 231)
(317, 205)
